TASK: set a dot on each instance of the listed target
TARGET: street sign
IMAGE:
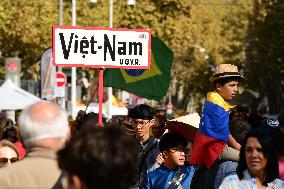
(13, 69)
(13, 65)
(60, 79)
(101, 47)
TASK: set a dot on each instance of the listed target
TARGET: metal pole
(110, 12)
(61, 100)
(73, 74)
(60, 20)
(60, 16)
(110, 88)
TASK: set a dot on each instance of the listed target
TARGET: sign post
(101, 48)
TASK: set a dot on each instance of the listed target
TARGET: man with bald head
(44, 128)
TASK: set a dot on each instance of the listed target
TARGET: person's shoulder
(11, 174)
(12, 169)
(280, 183)
(190, 167)
(233, 177)
(154, 145)
(228, 165)
(157, 170)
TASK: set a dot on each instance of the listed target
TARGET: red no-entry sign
(60, 79)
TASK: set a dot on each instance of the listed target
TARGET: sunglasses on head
(5, 160)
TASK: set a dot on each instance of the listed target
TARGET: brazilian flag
(150, 84)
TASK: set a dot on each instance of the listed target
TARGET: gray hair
(43, 120)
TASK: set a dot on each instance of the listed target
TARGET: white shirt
(248, 182)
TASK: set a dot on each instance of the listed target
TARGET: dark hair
(162, 120)
(223, 81)
(171, 140)
(87, 120)
(102, 158)
(266, 142)
(279, 142)
(255, 120)
(239, 129)
(142, 111)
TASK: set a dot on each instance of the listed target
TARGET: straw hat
(224, 71)
(186, 125)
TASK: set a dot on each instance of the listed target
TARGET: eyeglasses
(5, 160)
(179, 149)
(136, 122)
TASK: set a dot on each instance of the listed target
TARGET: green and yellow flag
(150, 84)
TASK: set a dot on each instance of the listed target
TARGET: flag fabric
(213, 133)
(150, 84)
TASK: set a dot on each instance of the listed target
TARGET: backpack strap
(58, 184)
(151, 145)
(176, 178)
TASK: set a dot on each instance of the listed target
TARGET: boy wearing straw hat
(213, 136)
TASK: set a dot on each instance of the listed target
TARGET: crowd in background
(230, 147)
(89, 141)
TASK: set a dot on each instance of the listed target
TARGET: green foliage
(25, 28)
(201, 33)
(265, 52)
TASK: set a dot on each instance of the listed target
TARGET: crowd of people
(232, 148)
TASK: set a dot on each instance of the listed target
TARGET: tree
(265, 52)
(186, 26)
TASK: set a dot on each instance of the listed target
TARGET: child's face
(228, 90)
(176, 156)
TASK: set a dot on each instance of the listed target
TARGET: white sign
(101, 47)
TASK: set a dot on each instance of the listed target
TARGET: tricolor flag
(213, 133)
(150, 84)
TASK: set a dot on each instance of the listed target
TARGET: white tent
(13, 97)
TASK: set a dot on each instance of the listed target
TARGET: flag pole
(109, 90)
(101, 92)
(73, 69)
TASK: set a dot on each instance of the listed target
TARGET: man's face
(228, 90)
(142, 126)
